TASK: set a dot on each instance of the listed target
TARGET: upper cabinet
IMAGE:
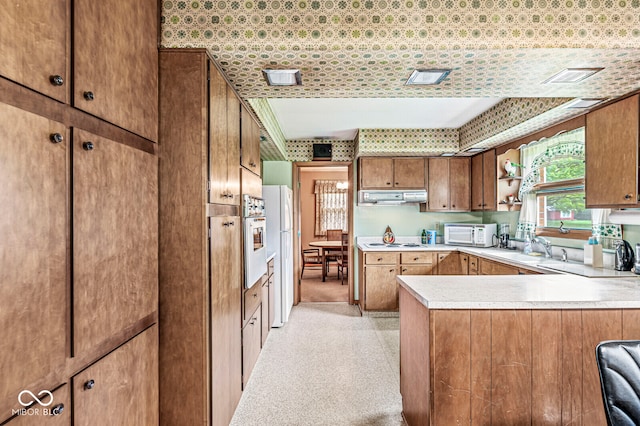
(35, 47)
(483, 181)
(386, 173)
(249, 142)
(449, 184)
(115, 67)
(611, 151)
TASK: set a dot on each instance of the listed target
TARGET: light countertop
(522, 291)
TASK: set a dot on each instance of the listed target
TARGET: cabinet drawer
(251, 300)
(417, 269)
(417, 257)
(380, 258)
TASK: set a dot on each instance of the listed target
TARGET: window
(331, 206)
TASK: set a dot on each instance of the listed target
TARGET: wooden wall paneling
(511, 367)
(184, 297)
(226, 339)
(34, 220)
(572, 353)
(631, 324)
(121, 69)
(598, 325)
(115, 238)
(125, 385)
(36, 45)
(480, 367)
(414, 360)
(546, 367)
(451, 363)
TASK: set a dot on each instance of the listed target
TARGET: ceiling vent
(282, 77)
(584, 103)
(572, 75)
(427, 77)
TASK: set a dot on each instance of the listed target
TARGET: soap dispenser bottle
(527, 244)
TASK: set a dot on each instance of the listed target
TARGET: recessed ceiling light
(583, 103)
(282, 77)
(447, 154)
(475, 149)
(572, 75)
(427, 77)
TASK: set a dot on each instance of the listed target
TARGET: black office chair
(619, 368)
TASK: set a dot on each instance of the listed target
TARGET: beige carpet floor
(312, 289)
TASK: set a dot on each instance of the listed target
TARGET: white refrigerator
(278, 201)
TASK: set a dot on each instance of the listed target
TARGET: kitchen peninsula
(507, 350)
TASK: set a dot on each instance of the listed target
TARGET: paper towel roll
(625, 217)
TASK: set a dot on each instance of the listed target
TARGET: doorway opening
(323, 201)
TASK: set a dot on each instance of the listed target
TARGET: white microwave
(471, 234)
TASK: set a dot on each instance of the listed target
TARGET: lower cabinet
(380, 287)
(122, 387)
(251, 344)
(267, 302)
(489, 267)
(418, 263)
(453, 263)
(473, 265)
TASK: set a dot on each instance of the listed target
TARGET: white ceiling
(339, 119)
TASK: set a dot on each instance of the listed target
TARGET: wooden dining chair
(331, 255)
(311, 259)
(334, 234)
(343, 260)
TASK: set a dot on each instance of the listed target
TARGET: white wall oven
(255, 240)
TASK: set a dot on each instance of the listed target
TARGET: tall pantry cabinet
(78, 212)
(200, 257)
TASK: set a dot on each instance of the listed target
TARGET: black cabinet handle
(57, 410)
(627, 197)
(87, 146)
(56, 137)
(56, 80)
(388, 183)
(88, 96)
(89, 385)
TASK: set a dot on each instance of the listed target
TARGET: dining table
(326, 247)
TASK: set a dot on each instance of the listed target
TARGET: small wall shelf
(510, 179)
(508, 185)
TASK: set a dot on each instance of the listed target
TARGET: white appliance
(471, 234)
(254, 230)
(279, 213)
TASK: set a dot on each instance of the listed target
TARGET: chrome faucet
(546, 245)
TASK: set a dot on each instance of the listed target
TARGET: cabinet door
(218, 126)
(33, 251)
(477, 176)
(115, 238)
(611, 143)
(233, 147)
(251, 343)
(225, 282)
(121, 388)
(35, 45)
(438, 184)
(449, 264)
(489, 180)
(265, 311)
(417, 269)
(408, 173)
(376, 172)
(488, 267)
(116, 68)
(381, 288)
(459, 191)
(473, 265)
(250, 142)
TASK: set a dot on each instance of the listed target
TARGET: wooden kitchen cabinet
(489, 267)
(115, 238)
(473, 265)
(34, 282)
(379, 289)
(448, 184)
(418, 263)
(453, 263)
(224, 140)
(483, 181)
(387, 172)
(36, 44)
(249, 142)
(200, 276)
(121, 388)
(611, 155)
(268, 314)
(115, 72)
(251, 344)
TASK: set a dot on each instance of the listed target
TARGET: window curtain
(539, 154)
(331, 206)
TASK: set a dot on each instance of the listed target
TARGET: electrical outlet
(438, 227)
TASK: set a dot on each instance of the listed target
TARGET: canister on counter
(431, 237)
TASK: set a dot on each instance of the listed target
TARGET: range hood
(391, 197)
